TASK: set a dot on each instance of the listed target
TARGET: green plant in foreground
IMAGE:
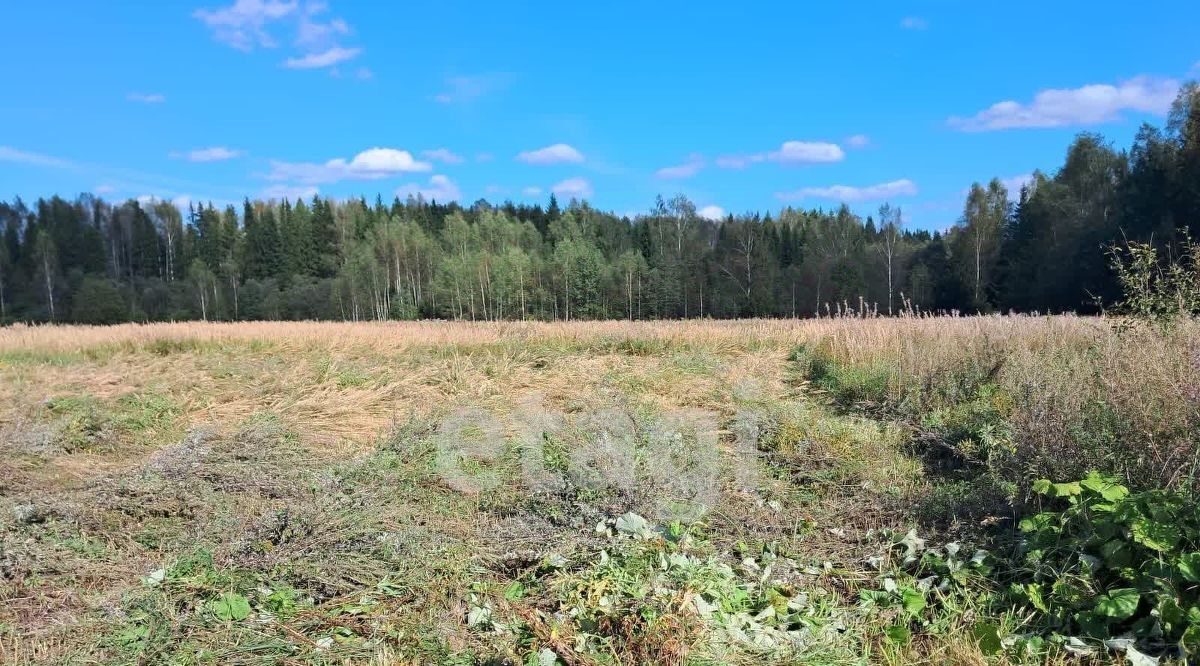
(1104, 563)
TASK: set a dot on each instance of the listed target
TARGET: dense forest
(1041, 249)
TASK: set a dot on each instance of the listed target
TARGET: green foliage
(1159, 290)
(99, 301)
(1102, 562)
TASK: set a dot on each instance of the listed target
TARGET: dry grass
(304, 454)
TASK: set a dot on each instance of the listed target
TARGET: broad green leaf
(1118, 604)
(899, 634)
(987, 634)
(1071, 592)
(230, 606)
(1191, 641)
(1189, 566)
(1106, 487)
(1041, 521)
(514, 591)
(1116, 553)
(1155, 534)
(1092, 624)
(1042, 486)
(1034, 591)
(913, 601)
(1066, 489)
(1170, 613)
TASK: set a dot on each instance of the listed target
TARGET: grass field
(580, 493)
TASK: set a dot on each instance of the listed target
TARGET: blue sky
(740, 106)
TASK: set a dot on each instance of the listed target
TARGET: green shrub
(1103, 562)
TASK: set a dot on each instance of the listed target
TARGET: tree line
(1041, 249)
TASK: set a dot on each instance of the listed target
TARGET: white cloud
(104, 188)
(914, 23)
(807, 152)
(386, 160)
(858, 141)
(314, 34)
(290, 192)
(327, 58)
(8, 154)
(559, 153)
(495, 189)
(242, 25)
(213, 154)
(739, 161)
(248, 24)
(370, 164)
(691, 167)
(484, 157)
(468, 88)
(443, 155)
(847, 193)
(146, 98)
(714, 213)
(364, 74)
(439, 188)
(532, 191)
(573, 188)
(1015, 183)
(791, 152)
(1086, 105)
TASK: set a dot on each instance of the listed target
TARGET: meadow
(972, 490)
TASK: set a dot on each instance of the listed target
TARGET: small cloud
(104, 189)
(691, 167)
(1087, 105)
(439, 188)
(442, 155)
(573, 188)
(8, 154)
(484, 157)
(914, 23)
(1015, 183)
(495, 189)
(468, 88)
(714, 213)
(858, 141)
(559, 153)
(532, 191)
(371, 164)
(849, 194)
(243, 25)
(739, 161)
(289, 192)
(364, 74)
(214, 154)
(790, 153)
(146, 98)
(328, 58)
(807, 152)
(314, 34)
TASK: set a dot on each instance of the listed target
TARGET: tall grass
(1030, 397)
(1054, 396)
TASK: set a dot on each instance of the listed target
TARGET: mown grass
(592, 493)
